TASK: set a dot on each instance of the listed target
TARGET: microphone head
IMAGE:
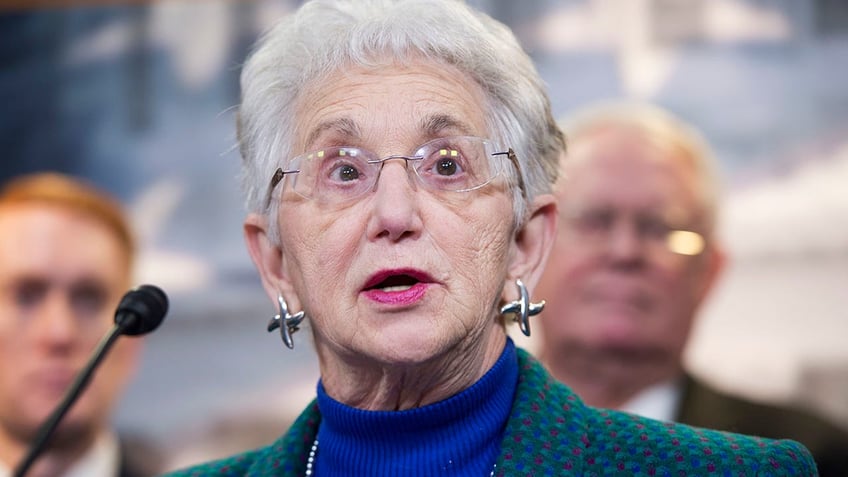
(141, 310)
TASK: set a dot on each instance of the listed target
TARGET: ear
(533, 243)
(715, 261)
(269, 261)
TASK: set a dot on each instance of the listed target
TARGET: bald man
(635, 258)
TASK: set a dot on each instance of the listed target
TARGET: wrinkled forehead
(421, 97)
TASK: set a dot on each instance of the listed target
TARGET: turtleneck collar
(459, 436)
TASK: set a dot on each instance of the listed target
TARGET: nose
(54, 323)
(624, 244)
(395, 213)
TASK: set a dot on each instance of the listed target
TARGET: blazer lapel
(534, 441)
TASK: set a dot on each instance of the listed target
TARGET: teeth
(396, 288)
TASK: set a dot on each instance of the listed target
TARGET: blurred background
(139, 98)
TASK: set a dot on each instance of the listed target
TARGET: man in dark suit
(66, 254)
(635, 258)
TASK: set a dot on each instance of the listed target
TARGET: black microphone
(140, 311)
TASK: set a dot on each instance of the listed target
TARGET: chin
(409, 348)
(29, 422)
(38, 410)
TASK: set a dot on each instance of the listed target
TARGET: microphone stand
(49, 426)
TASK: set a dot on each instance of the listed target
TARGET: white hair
(658, 125)
(325, 35)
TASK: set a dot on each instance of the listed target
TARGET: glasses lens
(685, 242)
(596, 227)
(335, 173)
(454, 163)
(338, 174)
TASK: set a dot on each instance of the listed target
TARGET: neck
(370, 384)
(608, 379)
(459, 436)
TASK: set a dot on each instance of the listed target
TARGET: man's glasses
(341, 174)
(596, 225)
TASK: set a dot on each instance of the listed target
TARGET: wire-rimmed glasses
(595, 226)
(340, 174)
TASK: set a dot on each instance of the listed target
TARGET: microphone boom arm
(140, 311)
(49, 426)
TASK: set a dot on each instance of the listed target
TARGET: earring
(286, 322)
(522, 309)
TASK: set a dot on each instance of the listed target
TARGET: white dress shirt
(659, 401)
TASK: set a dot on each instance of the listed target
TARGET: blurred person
(635, 258)
(66, 255)
(398, 159)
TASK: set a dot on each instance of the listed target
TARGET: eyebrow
(345, 126)
(433, 125)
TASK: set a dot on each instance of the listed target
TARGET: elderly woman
(398, 162)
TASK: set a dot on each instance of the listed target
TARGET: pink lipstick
(397, 287)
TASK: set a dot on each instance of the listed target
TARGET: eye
(28, 294)
(593, 220)
(344, 173)
(88, 298)
(446, 167)
(341, 164)
(653, 228)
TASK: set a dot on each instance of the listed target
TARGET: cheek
(121, 366)
(686, 281)
(332, 254)
(17, 352)
(316, 262)
(480, 255)
(9, 362)
(677, 275)
(483, 242)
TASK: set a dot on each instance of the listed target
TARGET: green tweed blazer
(551, 432)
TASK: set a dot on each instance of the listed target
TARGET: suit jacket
(704, 406)
(138, 457)
(551, 432)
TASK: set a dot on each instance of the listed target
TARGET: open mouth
(394, 283)
(399, 287)
(396, 280)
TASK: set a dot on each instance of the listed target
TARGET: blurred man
(635, 258)
(66, 256)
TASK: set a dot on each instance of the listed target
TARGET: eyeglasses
(341, 174)
(596, 225)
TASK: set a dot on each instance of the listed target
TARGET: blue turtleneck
(460, 436)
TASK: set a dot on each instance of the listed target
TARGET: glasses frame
(678, 241)
(280, 174)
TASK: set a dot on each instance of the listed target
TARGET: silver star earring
(522, 309)
(286, 322)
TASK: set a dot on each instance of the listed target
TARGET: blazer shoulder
(139, 455)
(551, 426)
(704, 406)
(634, 444)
